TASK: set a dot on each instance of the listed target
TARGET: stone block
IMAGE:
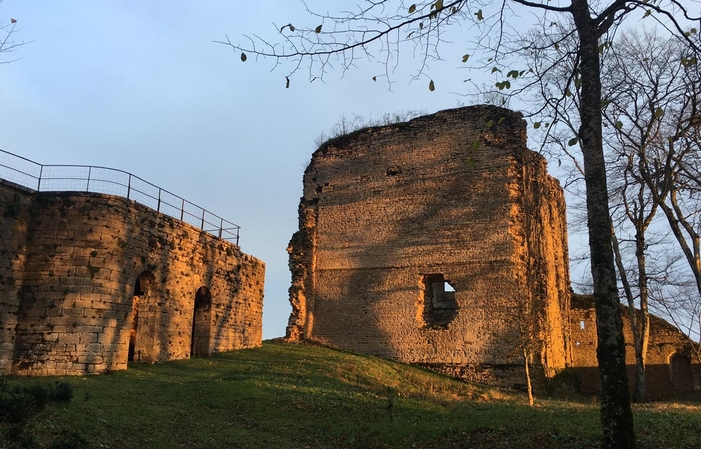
(69, 339)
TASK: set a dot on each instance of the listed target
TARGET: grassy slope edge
(296, 396)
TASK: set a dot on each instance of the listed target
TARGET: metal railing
(90, 178)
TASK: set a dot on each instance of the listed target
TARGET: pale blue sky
(139, 86)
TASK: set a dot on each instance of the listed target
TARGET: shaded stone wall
(14, 217)
(664, 376)
(89, 255)
(455, 196)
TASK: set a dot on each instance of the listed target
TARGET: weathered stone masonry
(394, 218)
(72, 266)
(671, 366)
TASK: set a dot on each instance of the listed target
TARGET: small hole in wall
(393, 171)
(581, 325)
(318, 189)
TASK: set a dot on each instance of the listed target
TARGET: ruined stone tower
(437, 241)
(90, 282)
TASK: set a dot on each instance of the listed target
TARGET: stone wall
(14, 217)
(671, 367)
(81, 261)
(394, 218)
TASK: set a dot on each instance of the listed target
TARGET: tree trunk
(634, 325)
(616, 414)
(644, 336)
(529, 385)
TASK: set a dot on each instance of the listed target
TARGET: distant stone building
(437, 241)
(672, 367)
(89, 281)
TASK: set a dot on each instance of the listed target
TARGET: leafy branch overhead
(378, 30)
(344, 39)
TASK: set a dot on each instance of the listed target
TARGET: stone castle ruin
(441, 241)
(91, 281)
(671, 367)
(437, 241)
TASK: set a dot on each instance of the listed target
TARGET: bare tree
(634, 209)
(653, 116)
(643, 75)
(640, 70)
(672, 176)
(377, 28)
(528, 322)
(637, 211)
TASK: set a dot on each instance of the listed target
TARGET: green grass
(294, 396)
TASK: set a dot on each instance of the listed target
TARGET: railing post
(182, 210)
(202, 227)
(237, 236)
(87, 187)
(129, 187)
(221, 226)
(41, 171)
(158, 209)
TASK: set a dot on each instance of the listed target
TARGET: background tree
(661, 121)
(672, 174)
(382, 25)
(645, 74)
(645, 77)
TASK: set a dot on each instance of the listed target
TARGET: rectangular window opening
(437, 305)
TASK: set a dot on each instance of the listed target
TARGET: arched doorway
(201, 318)
(680, 367)
(143, 289)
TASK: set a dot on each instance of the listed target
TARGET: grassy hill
(294, 396)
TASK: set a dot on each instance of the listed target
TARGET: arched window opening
(436, 306)
(142, 288)
(201, 319)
